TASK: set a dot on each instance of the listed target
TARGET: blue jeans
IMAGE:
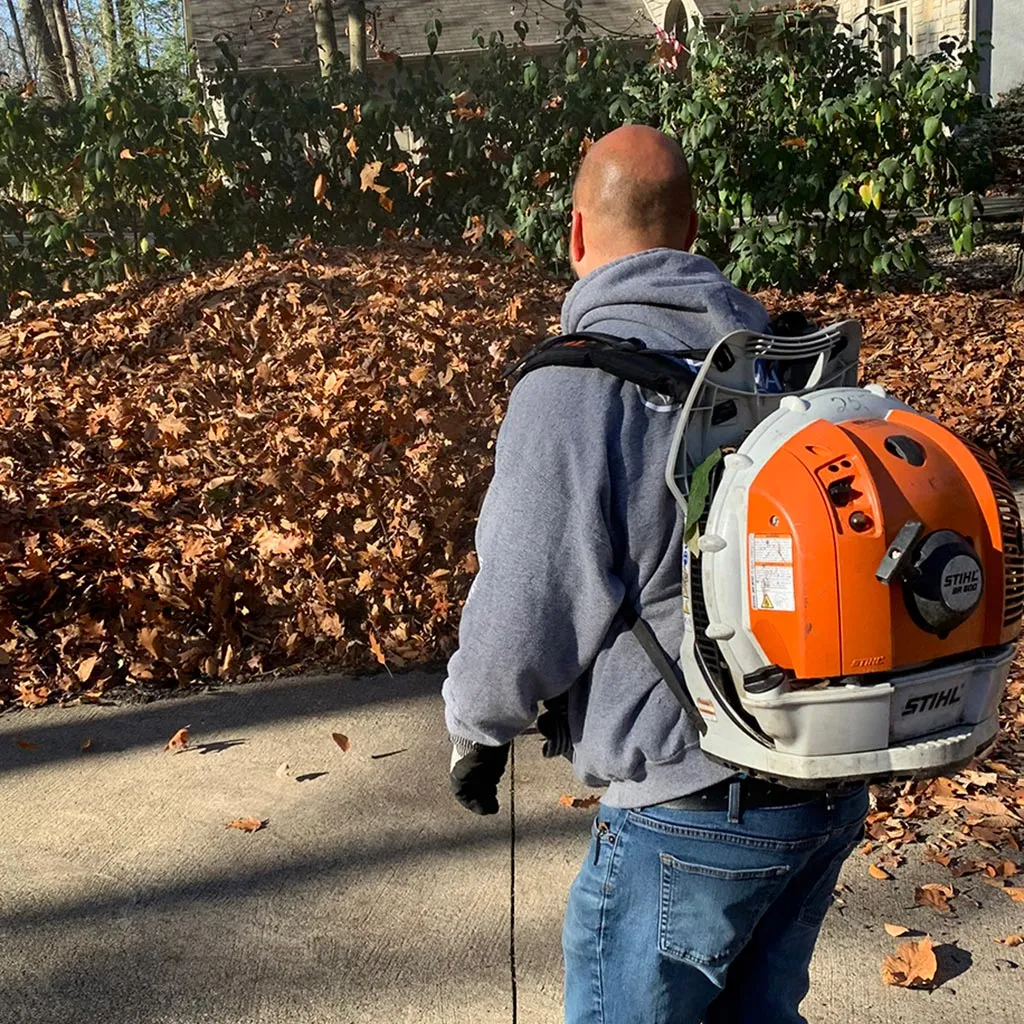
(678, 916)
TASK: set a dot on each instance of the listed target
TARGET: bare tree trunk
(126, 27)
(1017, 281)
(67, 47)
(357, 35)
(108, 34)
(90, 56)
(51, 23)
(18, 40)
(145, 35)
(326, 37)
(42, 50)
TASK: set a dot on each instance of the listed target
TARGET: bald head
(632, 193)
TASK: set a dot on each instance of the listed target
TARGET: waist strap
(753, 793)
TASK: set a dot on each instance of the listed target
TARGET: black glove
(475, 774)
(553, 725)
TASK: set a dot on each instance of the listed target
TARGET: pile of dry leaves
(278, 464)
(275, 464)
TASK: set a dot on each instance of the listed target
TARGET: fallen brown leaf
(935, 896)
(27, 744)
(86, 667)
(1012, 940)
(880, 873)
(913, 965)
(179, 741)
(578, 801)
(247, 824)
(896, 930)
(342, 740)
(1016, 894)
(378, 651)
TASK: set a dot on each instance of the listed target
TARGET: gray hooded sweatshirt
(578, 517)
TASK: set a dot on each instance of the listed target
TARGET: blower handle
(837, 348)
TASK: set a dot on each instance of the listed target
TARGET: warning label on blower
(771, 574)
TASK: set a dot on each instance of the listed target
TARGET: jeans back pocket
(707, 914)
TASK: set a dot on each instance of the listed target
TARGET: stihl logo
(931, 701)
(954, 583)
(868, 662)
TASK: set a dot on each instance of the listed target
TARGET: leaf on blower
(913, 965)
(700, 488)
(179, 741)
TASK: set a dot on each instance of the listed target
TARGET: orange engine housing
(846, 622)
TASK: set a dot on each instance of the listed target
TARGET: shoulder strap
(627, 359)
(669, 670)
(665, 373)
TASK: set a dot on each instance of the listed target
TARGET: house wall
(930, 20)
(261, 34)
(1005, 20)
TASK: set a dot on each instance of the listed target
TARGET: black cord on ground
(512, 880)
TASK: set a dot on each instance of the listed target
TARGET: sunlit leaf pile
(277, 465)
(274, 465)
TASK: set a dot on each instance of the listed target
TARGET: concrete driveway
(370, 896)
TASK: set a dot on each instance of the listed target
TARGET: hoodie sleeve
(546, 593)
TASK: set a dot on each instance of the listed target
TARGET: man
(685, 909)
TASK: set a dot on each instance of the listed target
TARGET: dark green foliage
(1004, 127)
(808, 159)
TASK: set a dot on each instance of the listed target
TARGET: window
(892, 35)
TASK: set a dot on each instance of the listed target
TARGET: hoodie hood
(669, 298)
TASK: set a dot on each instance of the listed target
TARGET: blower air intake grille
(708, 649)
(1013, 544)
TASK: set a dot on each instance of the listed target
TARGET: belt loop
(735, 801)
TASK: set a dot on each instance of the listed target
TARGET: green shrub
(808, 158)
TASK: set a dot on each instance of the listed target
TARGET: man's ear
(691, 231)
(576, 248)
